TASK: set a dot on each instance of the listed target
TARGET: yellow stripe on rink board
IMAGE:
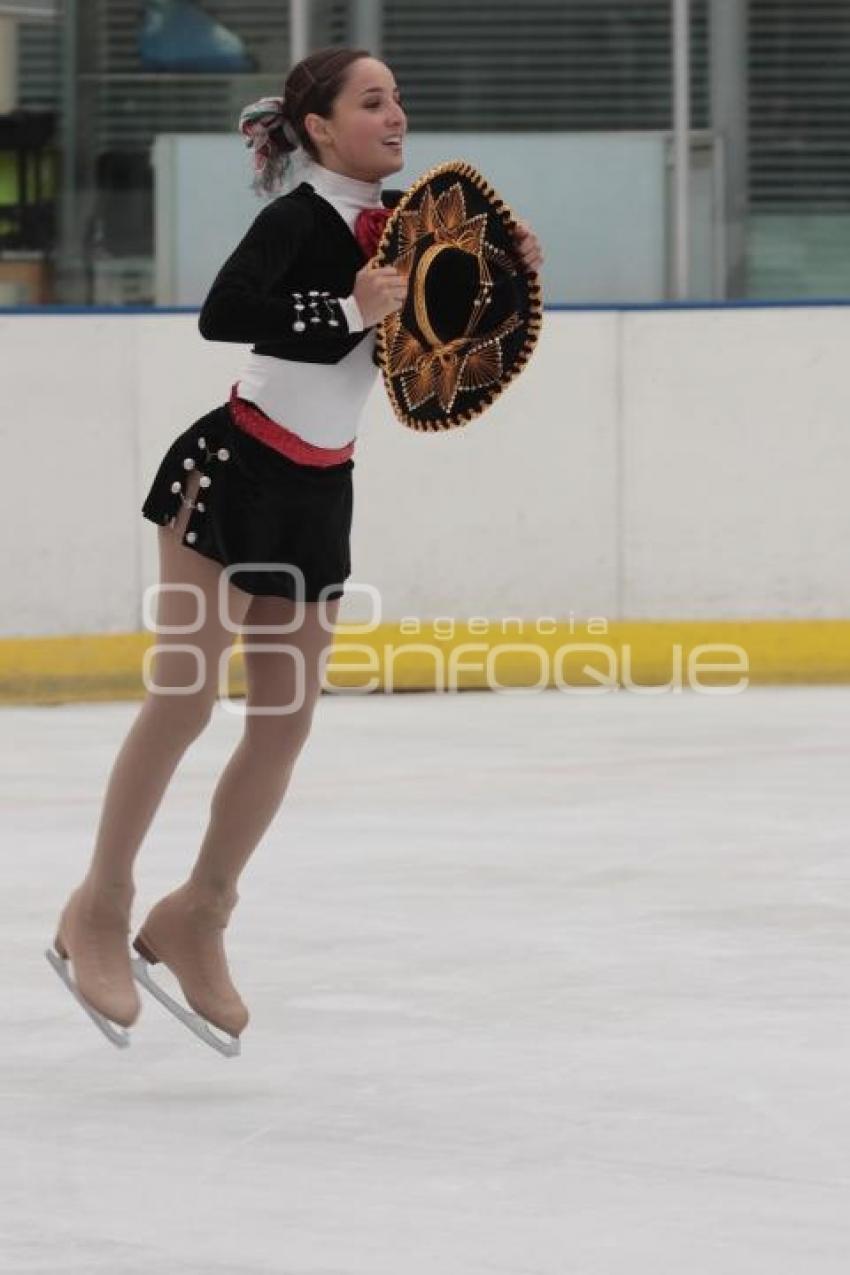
(454, 655)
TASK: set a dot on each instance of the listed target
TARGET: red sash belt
(248, 417)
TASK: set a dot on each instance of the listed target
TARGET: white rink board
(656, 464)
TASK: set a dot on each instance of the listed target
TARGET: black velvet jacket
(277, 289)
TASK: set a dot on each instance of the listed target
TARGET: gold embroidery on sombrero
(451, 207)
(446, 219)
(441, 368)
(475, 361)
(465, 363)
(405, 350)
(437, 373)
(420, 303)
(483, 366)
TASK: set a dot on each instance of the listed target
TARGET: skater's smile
(364, 135)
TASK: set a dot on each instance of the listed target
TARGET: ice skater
(253, 506)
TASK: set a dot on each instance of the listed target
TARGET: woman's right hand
(378, 290)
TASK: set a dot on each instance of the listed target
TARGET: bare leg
(167, 722)
(93, 925)
(185, 929)
(254, 782)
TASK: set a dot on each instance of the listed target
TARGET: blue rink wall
(659, 480)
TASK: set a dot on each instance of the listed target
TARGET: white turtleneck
(321, 402)
(347, 194)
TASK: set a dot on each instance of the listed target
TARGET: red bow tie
(369, 227)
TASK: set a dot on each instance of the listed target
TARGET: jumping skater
(253, 506)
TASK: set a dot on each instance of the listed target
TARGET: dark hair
(314, 84)
(274, 126)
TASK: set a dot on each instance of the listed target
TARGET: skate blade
(228, 1045)
(119, 1036)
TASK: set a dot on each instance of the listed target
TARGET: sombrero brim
(470, 402)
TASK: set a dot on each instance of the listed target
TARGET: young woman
(253, 504)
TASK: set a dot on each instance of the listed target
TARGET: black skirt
(256, 506)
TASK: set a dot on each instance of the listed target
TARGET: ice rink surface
(540, 985)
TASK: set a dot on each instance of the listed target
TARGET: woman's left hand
(527, 245)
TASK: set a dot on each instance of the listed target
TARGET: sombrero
(473, 311)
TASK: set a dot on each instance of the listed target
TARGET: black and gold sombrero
(473, 311)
